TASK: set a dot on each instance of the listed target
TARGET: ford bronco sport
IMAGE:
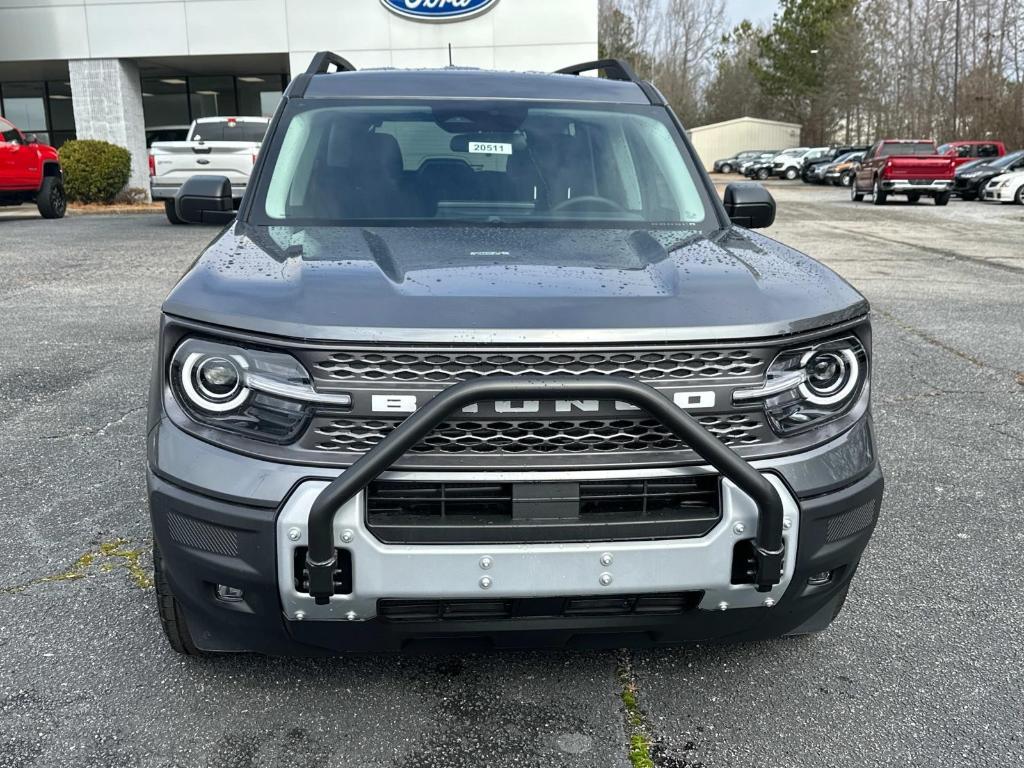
(483, 361)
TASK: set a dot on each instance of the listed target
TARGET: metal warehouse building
(132, 71)
(719, 140)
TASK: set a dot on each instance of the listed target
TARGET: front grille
(348, 435)
(653, 604)
(400, 512)
(450, 366)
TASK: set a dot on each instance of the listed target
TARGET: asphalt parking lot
(924, 667)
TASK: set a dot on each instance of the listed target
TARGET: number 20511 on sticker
(489, 148)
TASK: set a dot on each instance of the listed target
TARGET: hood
(477, 284)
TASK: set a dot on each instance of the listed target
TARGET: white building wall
(513, 34)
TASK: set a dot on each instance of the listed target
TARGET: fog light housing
(227, 594)
(820, 579)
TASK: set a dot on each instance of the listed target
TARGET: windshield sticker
(489, 148)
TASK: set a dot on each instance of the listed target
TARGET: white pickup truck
(217, 146)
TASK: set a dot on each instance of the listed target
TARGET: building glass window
(172, 102)
(212, 96)
(259, 95)
(165, 102)
(62, 112)
(24, 104)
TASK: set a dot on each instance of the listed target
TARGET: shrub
(94, 171)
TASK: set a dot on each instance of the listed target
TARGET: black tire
(846, 179)
(913, 197)
(172, 213)
(968, 196)
(943, 198)
(878, 197)
(51, 200)
(172, 619)
(725, 169)
(762, 175)
(1019, 197)
(855, 196)
(790, 174)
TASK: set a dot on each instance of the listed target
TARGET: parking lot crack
(935, 342)
(108, 556)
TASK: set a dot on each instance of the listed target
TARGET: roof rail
(614, 69)
(322, 61)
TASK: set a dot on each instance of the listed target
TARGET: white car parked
(789, 164)
(217, 146)
(1006, 188)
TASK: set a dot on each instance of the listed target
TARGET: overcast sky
(755, 10)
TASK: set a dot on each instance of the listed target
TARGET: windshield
(847, 157)
(1007, 160)
(225, 131)
(890, 148)
(499, 162)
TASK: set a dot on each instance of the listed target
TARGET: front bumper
(1000, 194)
(937, 186)
(245, 543)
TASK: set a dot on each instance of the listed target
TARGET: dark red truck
(904, 167)
(30, 172)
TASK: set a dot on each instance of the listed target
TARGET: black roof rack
(322, 61)
(614, 69)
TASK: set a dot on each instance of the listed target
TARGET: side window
(964, 150)
(8, 133)
(988, 150)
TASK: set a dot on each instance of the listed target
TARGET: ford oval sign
(438, 10)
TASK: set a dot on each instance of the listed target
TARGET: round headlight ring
(848, 367)
(203, 376)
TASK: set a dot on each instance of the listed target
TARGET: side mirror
(31, 138)
(205, 200)
(749, 205)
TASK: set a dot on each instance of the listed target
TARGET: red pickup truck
(965, 151)
(30, 172)
(904, 167)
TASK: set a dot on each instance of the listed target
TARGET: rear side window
(988, 150)
(495, 162)
(8, 133)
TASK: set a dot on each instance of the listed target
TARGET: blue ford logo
(438, 10)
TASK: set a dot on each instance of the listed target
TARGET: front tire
(762, 175)
(725, 169)
(790, 174)
(942, 198)
(968, 196)
(913, 198)
(172, 213)
(1019, 197)
(172, 619)
(879, 197)
(51, 200)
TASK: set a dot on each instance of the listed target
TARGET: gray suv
(483, 360)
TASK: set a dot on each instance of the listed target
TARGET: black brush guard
(321, 557)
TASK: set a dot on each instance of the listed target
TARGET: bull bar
(321, 556)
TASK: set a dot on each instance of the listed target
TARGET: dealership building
(135, 71)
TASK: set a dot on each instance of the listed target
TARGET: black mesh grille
(430, 512)
(450, 366)
(655, 604)
(347, 435)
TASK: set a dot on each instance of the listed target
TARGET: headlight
(1005, 183)
(810, 386)
(261, 394)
